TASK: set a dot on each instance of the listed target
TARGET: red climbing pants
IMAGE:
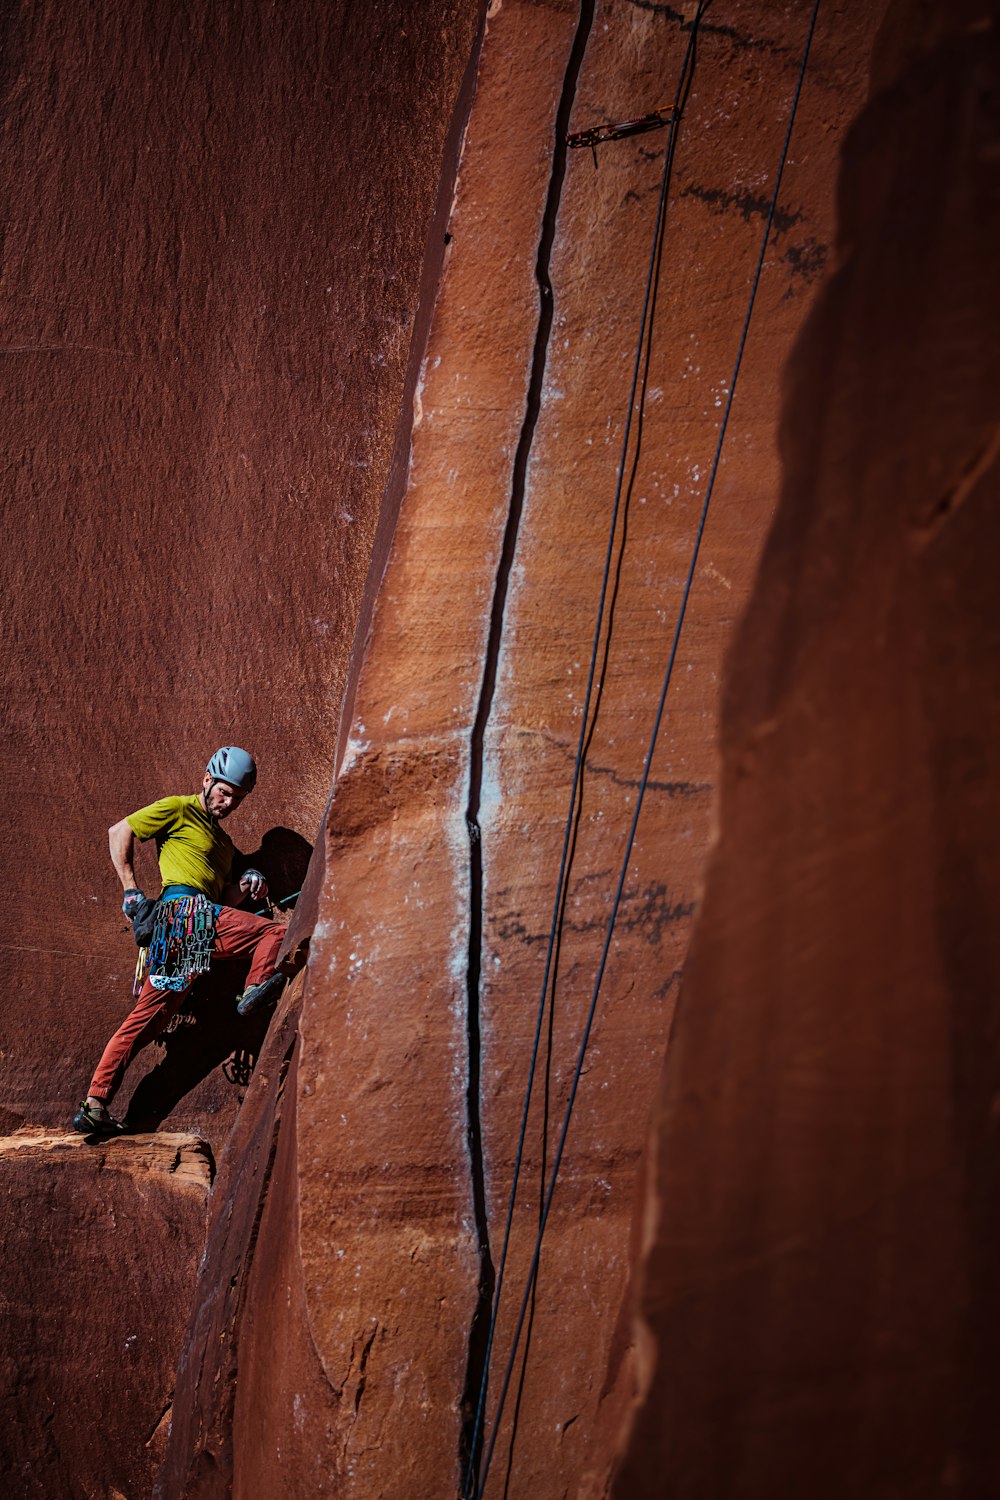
(237, 933)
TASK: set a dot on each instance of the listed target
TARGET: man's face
(222, 799)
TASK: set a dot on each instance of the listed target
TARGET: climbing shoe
(94, 1119)
(257, 996)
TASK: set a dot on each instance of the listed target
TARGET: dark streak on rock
(748, 205)
(632, 783)
(362, 1368)
(741, 41)
(664, 989)
(807, 259)
(648, 912)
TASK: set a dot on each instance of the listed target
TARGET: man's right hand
(132, 901)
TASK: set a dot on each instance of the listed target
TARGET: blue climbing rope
(648, 301)
(283, 902)
(543, 1221)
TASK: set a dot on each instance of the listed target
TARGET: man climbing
(194, 920)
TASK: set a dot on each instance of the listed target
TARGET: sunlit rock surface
(374, 1250)
(215, 237)
(209, 289)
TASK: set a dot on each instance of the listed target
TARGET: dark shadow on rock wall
(208, 1032)
(283, 859)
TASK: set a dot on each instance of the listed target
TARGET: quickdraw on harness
(181, 945)
(655, 120)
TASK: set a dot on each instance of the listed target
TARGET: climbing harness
(181, 945)
(479, 1486)
(183, 932)
(657, 119)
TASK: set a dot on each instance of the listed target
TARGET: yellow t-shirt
(191, 849)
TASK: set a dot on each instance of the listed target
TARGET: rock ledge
(187, 1158)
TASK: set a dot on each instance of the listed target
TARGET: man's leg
(238, 933)
(149, 1016)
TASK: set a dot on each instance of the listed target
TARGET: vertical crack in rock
(480, 1327)
(241, 1277)
(215, 1408)
(163, 1417)
(363, 1368)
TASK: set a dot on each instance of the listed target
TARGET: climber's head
(229, 776)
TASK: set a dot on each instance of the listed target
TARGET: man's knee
(275, 934)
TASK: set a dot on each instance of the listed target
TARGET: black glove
(132, 902)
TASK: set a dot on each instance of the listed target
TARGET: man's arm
(121, 842)
(251, 883)
(244, 881)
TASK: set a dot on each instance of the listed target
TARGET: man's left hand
(254, 885)
(132, 902)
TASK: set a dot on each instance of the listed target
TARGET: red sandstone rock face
(821, 1293)
(100, 1253)
(208, 295)
(373, 1253)
(254, 1176)
(211, 268)
(329, 1344)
